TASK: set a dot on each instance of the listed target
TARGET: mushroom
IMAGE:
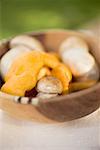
(63, 73)
(81, 63)
(22, 76)
(45, 71)
(8, 58)
(50, 85)
(76, 86)
(27, 41)
(73, 42)
(45, 95)
(92, 74)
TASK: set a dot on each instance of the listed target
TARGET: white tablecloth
(81, 134)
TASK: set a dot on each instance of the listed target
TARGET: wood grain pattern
(62, 108)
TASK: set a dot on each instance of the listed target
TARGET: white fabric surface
(81, 134)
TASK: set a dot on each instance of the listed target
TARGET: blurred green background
(18, 16)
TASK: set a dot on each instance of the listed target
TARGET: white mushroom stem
(28, 41)
(73, 42)
(45, 95)
(81, 63)
(50, 85)
(9, 57)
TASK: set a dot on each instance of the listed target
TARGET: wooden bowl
(62, 108)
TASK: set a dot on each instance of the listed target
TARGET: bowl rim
(60, 97)
(53, 99)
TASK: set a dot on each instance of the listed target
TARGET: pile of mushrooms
(51, 77)
(18, 45)
(74, 52)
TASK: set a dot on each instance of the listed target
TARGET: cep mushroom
(81, 63)
(50, 85)
(27, 41)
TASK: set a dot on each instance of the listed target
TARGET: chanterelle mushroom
(49, 85)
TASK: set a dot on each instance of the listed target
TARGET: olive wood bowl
(61, 108)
